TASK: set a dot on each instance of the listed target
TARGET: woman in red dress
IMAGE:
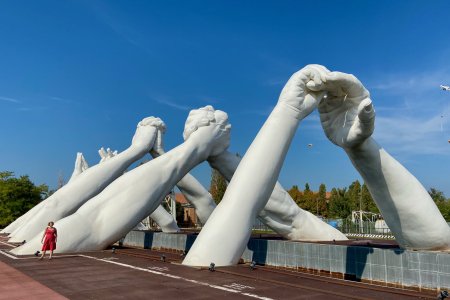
(49, 240)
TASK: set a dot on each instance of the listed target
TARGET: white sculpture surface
(111, 214)
(89, 183)
(80, 166)
(222, 241)
(164, 220)
(348, 119)
(281, 213)
(106, 154)
(193, 191)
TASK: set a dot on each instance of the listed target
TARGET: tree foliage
(339, 204)
(441, 202)
(342, 201)
(17, 196)
(218, 186)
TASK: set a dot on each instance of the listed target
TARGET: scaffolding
(360, 217)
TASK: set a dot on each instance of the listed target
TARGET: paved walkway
(144, 274)
(16, 285)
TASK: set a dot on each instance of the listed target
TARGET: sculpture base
(373, 261)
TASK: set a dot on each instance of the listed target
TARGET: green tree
(17, 196)
(442, 202)
(218, 186)
(339, 206)
(367, 201)
(354, 195)
(437, 195)
(308, 201)
(321, 199)
(295, 194)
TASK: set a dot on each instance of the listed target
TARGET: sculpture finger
(158, 147)
(153, 121)
(322, 71)
(342, 84)
(364, 124)
(102, 154)
(203, 117)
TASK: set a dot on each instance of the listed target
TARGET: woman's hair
(51, 223)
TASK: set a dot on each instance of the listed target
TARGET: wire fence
(345, 226)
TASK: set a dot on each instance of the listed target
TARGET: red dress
(50, 239)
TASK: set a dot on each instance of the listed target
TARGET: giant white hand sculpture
(106, 154)
(88, 184)
(80, 166)
(222, 241)
(110, 215)
(348, 118)
(281, 213)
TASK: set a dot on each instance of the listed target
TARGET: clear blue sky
(78, 75)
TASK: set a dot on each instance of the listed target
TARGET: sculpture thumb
(366, 116)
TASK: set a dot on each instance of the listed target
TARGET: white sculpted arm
(190, 187)
(89, 183)
(222, 241)
(198, 196)
(348, 119)
(165, 220)
(80, 166)
(110, 215)
(281, 213)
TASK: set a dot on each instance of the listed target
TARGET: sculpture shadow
(190, 239)
(356, 259)
(148, 240)
(356, 262)
(259, 249)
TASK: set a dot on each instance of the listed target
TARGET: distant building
(189, 217)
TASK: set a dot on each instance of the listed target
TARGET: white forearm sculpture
(80, 166)
(193, 191)
(164, 220)
(348, 119)
(222, 241)
(161, 217)
(88, 184)
(281, 213)
(198, 196)
(111, 214)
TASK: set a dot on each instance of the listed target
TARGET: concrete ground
(142, 274)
